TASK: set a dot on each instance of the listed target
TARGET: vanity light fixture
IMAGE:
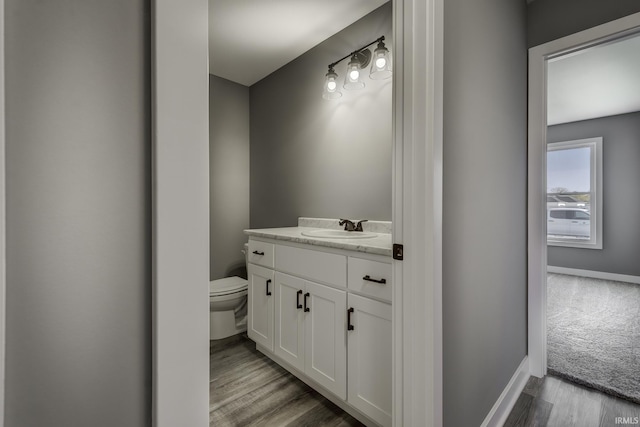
(360, 59)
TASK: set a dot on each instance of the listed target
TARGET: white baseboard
(503, 406)
(594, 274)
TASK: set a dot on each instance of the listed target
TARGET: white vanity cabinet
(370, 352)
(260, 305)
(298, 313)
(289, 322)
(309, 330)
(369, 338)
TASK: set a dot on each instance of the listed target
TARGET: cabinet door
(261, 298)
(289, 331)
(369, 366)
(325, 337)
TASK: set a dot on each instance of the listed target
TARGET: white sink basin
(338, 234)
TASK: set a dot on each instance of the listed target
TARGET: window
(574, 193)
(582, 215)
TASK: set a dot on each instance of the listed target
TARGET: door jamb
(180, 213)
(417, 213)
(537, 154)
(180, 373)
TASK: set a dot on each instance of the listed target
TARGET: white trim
(3, 234)
(180, 124)
(594, 274)
(507, 400)
(417, 213)
(396, 202)
(537, 152)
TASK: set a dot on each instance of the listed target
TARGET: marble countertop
(381, 244)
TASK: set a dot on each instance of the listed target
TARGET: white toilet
(227, 307)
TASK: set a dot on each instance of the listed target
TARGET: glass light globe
(381, 67)
(330, 85)
(353, 79)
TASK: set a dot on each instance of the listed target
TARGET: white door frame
(417, 212)
(180, 213)
(537, 158)
(180, 206)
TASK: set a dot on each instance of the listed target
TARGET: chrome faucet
(351, 226)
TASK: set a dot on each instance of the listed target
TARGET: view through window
(573, 193)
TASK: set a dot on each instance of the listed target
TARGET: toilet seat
(227, 286)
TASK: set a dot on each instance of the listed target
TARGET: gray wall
(319, 158)
(485, 211)
(621, 208)
(78, 213)
(552, 19)
(229, 175)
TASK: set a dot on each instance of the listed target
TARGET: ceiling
(597, 82)
(250, 39)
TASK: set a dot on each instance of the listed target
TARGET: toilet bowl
(226, 297)
(227, 307)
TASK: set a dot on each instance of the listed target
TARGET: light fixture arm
(355, 52)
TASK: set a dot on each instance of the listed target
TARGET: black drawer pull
(349, 325)
(298, 305)
(306, 308)
(258, 253)
(268, 291)
(369, 279)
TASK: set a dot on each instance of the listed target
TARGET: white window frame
(595, 145)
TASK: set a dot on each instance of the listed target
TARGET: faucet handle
(359, 225)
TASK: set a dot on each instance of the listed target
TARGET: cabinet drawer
(372, 278)
(261, 253)
(321, 266)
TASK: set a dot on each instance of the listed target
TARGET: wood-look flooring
(554, 402)
(248, 389)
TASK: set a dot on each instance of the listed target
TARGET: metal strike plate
(398, 251)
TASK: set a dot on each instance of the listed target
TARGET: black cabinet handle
(268, 291)
(349, 325)
(306, 308)
(298, 305)
(369, 279)
(258, 253)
